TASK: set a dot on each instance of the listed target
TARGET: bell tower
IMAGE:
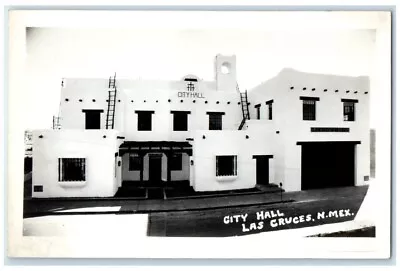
(225, 72)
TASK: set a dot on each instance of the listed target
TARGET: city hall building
(301, 130)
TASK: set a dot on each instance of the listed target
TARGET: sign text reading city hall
(191, 92)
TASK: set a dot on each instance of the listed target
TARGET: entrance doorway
(327, 164)
(155, 168)
(262, 169)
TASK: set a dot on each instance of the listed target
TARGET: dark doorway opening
(155, 163)
(327, 164)
(262, 169)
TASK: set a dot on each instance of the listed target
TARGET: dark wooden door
(155, 168)
(262, 170)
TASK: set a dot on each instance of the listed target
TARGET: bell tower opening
(225, 72)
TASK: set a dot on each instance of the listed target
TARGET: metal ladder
(245, 108)
(112, 96)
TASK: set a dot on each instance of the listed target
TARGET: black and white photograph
(201, 126)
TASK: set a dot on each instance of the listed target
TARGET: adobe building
(302, 130)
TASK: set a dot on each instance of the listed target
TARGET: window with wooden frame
(226, 165)
(215, 120)
(258, 113)
(176, 161)
(134, 162)
(144, 120)
(309, 107)
(71, 169)
(180, 120)
(349, 109)
(269, 108)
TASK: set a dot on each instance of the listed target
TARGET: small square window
(215, 121)
(144, 120)
(226, 165)
(180, 121)
(72, 169)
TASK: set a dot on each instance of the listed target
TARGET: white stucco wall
(287, 117)
(162, 97)
(229, 143)
(277, 137)
(99, 153)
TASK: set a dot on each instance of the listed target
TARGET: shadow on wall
(372, 150)
(27, 177)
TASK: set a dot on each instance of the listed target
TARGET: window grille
(309, 109)
(226, 165)
(72, 169)
(348, 111)
(215, 121)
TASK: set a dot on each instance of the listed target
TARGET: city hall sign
(191, 92)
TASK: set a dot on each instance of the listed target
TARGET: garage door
(327, 164)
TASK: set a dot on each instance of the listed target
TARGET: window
(308, 110)
(144, 120)
(92, 118)
(269, 106)
(258, 111)
(309, 107)
(349, 111)
(180, 120)
(134, 162)
(72, 169)
(226, 165)
(176, 161)
(215, 120)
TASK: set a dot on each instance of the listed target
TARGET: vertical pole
(169, 156)
(141, 155)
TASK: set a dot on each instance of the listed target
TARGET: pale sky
(169, 54)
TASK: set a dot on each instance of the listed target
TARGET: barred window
(215, 121)
(72, 169)
(349, 111)
(226, 165)
(309, 109)
(134, 162)
(176, 161)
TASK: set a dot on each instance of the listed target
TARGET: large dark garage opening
(327, 164)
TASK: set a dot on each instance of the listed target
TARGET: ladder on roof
(245, 108)
(112, 96)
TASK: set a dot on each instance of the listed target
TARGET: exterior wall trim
(309, 98)
(350, 100)
(264, 156)
(93, 110)
(308, 142)
(210, 113)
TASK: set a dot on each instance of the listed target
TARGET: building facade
(300, 130)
